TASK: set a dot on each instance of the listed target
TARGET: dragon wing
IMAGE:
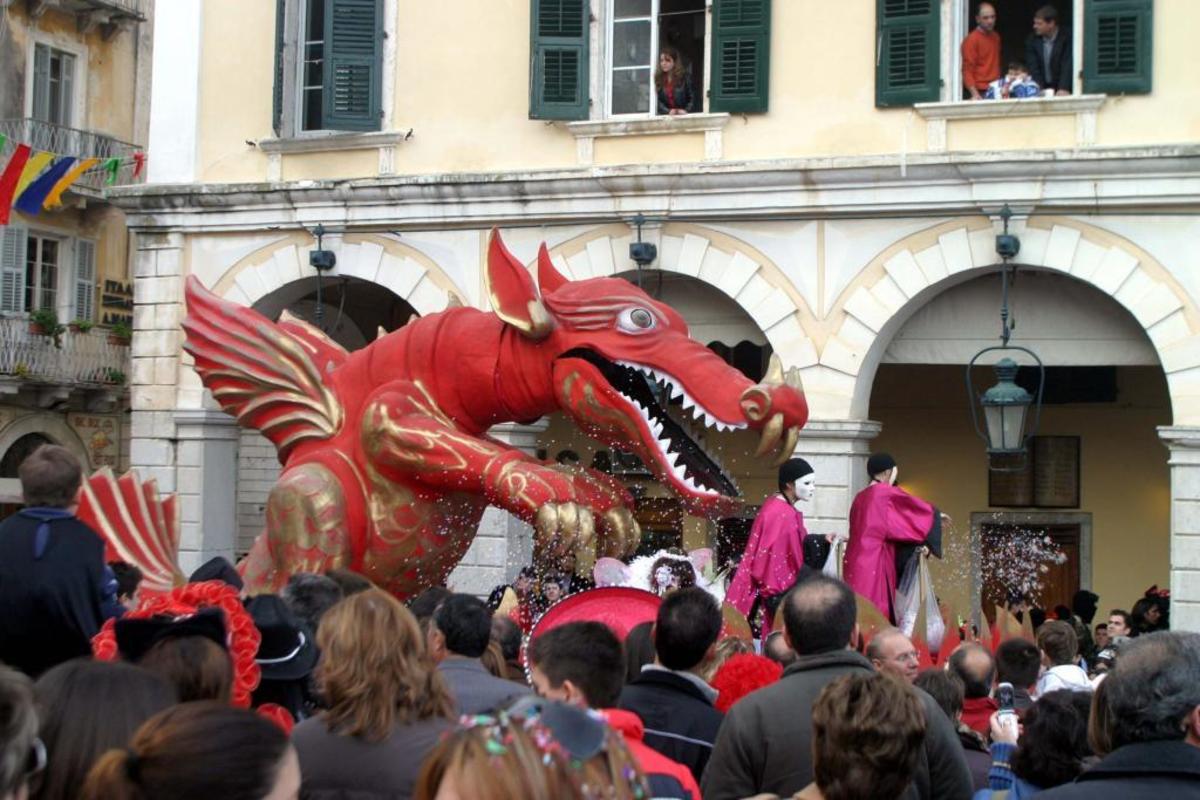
(137, 525)
(270, 376)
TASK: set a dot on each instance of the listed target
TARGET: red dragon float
(387, 466)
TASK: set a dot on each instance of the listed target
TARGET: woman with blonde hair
(386, 704)
(542, 750)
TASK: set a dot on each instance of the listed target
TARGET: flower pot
(38, 329)
(122, 341)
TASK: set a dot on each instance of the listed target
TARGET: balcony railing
(89, 12)
(87, 359)
(64, 141)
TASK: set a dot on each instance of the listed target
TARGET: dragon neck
(524, 378)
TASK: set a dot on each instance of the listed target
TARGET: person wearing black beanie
(887, 527)
(774, 556)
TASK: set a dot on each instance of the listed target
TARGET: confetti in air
(1017, 564)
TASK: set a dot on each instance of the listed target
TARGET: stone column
(207, 476)
(157, 311)
(838, 451)
(1184, 444)
(503, 543)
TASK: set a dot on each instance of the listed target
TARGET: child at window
(674, 86)
(1015, 84)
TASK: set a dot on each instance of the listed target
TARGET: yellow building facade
(76, 84)
(828, 198)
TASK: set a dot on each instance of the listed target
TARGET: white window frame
(601, 82)
(79, 89)
(957, 20)
(63, 275)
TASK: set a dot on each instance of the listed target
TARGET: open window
(918, 55)
(725, 55)
(328, 66)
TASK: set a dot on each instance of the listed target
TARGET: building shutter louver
(353, 65)
(741, 56)
(277, 93)
(1117, 46)
(13, 241)
(558, 53)
(85, 279)
(907, 50)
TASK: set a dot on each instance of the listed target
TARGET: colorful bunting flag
(112, 166)
(54, 199)
(30, 201)
(36, 180)
(33, 168)
(8, 181)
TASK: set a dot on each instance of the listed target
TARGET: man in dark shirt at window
(1048, 52)
(51, 568)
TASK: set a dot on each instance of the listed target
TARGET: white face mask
(804, 487)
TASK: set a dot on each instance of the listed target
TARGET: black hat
(217, 569)
(135, 637)
(793, 470)
(287, 651)
(879, 462)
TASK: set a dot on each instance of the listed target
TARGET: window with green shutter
(741, 55)
(353, 63)
(1117, 51)
(558, 59)
(907, 52)
(13, 244)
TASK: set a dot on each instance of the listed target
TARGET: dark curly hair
(1054, 745)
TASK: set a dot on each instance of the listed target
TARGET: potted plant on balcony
(44, 322)
(21, 370)
(80, 325)
(114, 375)
(120, 333)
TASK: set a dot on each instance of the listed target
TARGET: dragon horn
(774, 370)
(549, 278)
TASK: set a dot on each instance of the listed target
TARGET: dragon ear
(549, 278)
(514, 297)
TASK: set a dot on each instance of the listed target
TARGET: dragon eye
(635, 320)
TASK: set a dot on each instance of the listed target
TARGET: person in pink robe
(774, 555)
(885, 519)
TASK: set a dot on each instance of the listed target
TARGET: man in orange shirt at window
(981, 53)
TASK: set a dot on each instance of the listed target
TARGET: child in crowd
(1015, 84)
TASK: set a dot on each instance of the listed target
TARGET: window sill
(711, 125)
(1082, 106)
(333, 142)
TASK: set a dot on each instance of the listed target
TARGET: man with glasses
(891, 651)
(22, 755)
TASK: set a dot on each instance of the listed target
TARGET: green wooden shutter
(41, 83)
(558, 59)
(1117, 46)
(13, 241)
(741, 55)
(353, 65)
(277, 94)
(907, 52)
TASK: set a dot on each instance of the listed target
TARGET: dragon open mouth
(674, 448)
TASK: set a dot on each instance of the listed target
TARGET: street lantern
(1006, 406)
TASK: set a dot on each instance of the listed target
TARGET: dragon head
(619, 359)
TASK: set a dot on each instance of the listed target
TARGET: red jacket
(977, 714)
(652, 762)
(980, 59)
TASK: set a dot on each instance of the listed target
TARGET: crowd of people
(336, 689)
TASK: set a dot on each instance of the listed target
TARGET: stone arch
(376, 258)
(742, 273)
(908, 274)
(51, 426)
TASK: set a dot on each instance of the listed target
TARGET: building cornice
(1097, 180)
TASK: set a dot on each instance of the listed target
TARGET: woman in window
(673, 83)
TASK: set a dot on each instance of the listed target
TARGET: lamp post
(1006, 405)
